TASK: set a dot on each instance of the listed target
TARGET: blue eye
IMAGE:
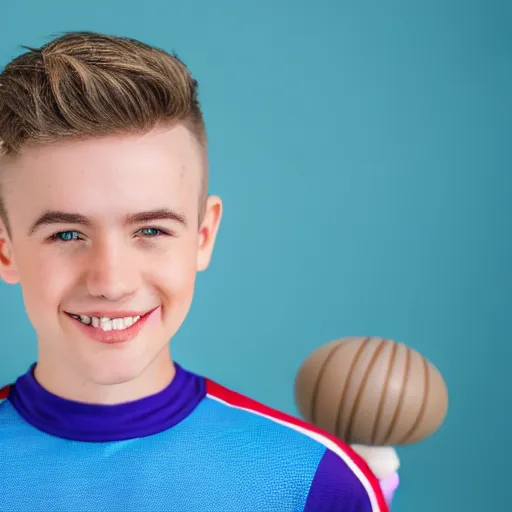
(151, 232)
(66, 236)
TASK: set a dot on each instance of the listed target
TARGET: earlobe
(208, 231)
(8, 270)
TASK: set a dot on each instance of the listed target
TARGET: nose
(111, 272)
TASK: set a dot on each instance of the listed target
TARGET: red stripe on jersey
(239, 400)
(4, 392)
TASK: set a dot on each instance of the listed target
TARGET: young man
(105, 222)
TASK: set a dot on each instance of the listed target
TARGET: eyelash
(55, 236)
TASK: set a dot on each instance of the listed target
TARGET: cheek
(176, 274)
(43, 279)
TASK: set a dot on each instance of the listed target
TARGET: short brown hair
(86, 84)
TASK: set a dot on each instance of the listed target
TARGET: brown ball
(372, 391)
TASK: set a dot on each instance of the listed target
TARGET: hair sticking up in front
(85, 84)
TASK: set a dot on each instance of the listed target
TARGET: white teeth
(105, 324)
(118, 324)
(108, 324)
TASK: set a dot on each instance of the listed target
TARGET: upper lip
(112, 314)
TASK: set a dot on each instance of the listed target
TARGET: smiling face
(104, 229)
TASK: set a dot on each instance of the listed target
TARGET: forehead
(108, 176)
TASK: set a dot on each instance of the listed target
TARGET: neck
(69, 382)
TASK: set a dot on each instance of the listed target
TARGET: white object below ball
(382, 460)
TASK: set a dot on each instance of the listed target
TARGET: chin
(117, 373)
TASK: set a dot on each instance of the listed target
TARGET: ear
(208, 231)
(8, 270)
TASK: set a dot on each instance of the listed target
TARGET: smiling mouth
(108, 324)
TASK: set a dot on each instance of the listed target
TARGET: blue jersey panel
(218, 459)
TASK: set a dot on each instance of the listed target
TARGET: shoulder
(341, 479)
(4, 393)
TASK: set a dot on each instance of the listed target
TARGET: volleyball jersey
(195, 446)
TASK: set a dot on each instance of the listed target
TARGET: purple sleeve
(335, 488)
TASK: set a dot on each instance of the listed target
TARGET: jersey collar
(100, 423)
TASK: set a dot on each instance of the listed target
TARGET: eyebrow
(57, 217)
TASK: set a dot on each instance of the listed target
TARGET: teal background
(363, 153)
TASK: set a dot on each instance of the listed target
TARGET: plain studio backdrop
(363, 153)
